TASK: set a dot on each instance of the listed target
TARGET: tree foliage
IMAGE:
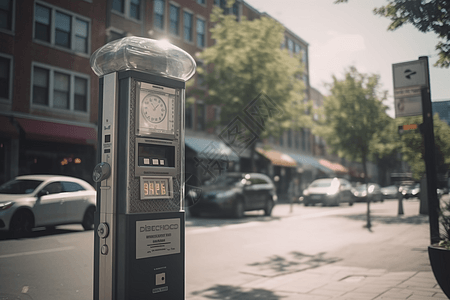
(353, 118)
(426, 16)
(246, 60)
(411, 145)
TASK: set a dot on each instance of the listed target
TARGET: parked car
(45, 201)
(328, 191)
(390, 192)
(371, 191)
(235, 193)
(410, 191)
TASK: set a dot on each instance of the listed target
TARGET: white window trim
(13, 21)
(198, 17)
(193, 26)
(72, 74)
(180, 28)
(126, 12)
(72, 29)
(10, 83)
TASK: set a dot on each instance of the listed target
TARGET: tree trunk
(366, 179)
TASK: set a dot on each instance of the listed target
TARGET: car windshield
(361, 187)
(321, 183)
(19, 186)
(224, 181)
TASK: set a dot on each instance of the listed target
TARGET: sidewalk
(337, 281)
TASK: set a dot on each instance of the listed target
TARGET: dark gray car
(236, 193)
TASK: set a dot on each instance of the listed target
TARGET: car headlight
(224, 195)
(332, 192)
(305, 193)
(6, 205)
(364, 194)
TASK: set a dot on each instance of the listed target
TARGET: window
(187, 26)
(68, 186)
(159, 14)
(61, 29)
(188, 118)
(200, 33)
(118, 5)
(226, 10)
(60, 89)
(42, 23)
(290, 45)
(174, 20)
(201, 2)
(297, 140)
(135, 9)
(5, 77)
(200, 116)
(282, 139)
(6, 14)
(130, 8)
(53, 188)
(297, 48)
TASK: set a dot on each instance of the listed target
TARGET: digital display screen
(156, 155)
(156, 187)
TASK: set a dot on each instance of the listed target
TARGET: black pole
(430, 161)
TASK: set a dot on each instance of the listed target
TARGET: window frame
(13, 20)
(51, 87)
(176, 5)
(74, 17)
(127, 11)
(163, 16)
(200, 18)
(10, 79)
(202, 4)
(186, 11)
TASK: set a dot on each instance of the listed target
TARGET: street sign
(409, 74)
(409, 79)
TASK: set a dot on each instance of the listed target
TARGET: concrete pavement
(347, 279)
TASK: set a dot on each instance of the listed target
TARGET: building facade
(49, 95)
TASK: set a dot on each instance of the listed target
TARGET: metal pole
(430, 161)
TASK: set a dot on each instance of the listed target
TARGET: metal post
(430, 161)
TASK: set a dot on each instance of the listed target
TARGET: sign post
(139, 248)
(412, 97)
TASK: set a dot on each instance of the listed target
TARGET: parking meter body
(139, 222)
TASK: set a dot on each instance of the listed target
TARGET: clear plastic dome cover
(146, 55)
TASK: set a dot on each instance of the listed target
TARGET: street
(223, 254)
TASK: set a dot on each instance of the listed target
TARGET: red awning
(333, 166)
(56, 131)
(7, 129)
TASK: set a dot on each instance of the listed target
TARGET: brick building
(49, 95)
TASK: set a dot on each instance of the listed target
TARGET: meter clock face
(156, 109)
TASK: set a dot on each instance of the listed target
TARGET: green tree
(426, 16)
(246, 60)
(354, 118)
(411, 145)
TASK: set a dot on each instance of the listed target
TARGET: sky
(349, 34)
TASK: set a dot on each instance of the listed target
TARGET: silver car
(45, 201)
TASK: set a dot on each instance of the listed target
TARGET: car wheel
(50, 228)
(21, 224)
(268, 207)
(305, 203)
(88, 219)
(350, 202)
(238, 209)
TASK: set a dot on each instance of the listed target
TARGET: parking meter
(139, 222)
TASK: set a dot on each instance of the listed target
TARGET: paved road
(221, 253)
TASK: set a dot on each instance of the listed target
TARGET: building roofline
(264, 14)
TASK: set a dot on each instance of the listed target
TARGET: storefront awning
(211, 149)
(56, 131)
(277, 158)
(306, 161)
(336, 167)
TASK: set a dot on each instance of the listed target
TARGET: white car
(45, 201)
